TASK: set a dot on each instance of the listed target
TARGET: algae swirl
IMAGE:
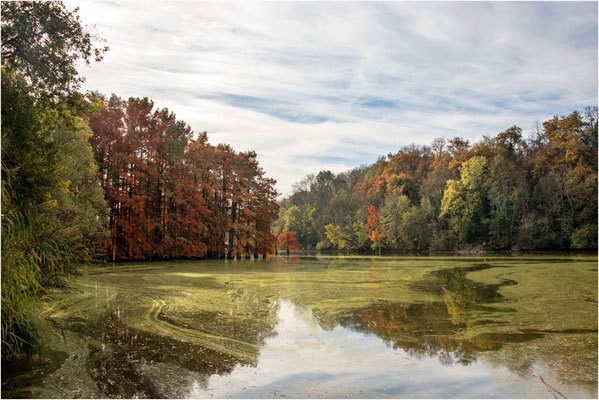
(508, 326)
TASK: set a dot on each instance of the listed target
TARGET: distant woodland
(502, 193)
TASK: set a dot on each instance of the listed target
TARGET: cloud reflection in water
(304, 360)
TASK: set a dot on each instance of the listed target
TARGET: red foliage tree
(173, 196)
(287, 241)
(376, 228)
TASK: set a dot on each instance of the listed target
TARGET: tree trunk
(232, 231)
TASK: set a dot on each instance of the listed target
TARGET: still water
(323, 326)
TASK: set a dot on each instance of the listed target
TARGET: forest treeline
(502, 193)
(87, 177)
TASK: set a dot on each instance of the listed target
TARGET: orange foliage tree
(173, 195)
(288, 241)
(376, 228)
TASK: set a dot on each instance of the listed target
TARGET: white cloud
(303, 361)
(311, 86)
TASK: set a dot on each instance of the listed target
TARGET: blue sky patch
(379, 103)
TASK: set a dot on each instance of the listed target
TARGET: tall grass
(28, 256)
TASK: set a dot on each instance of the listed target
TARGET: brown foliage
(171, 195)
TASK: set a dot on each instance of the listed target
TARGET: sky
(312, 86)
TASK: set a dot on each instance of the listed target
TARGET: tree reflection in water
(158, 330)
(434, 329)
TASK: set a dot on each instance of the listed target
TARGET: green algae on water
(163, 329)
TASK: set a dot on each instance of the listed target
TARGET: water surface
(360, 327)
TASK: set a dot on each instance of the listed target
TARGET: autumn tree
(266, 211)
(376, 228)
(504, 191)
(171, 195)
(563, 165)
(288, 242)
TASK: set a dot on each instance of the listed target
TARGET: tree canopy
(504, 192)
(44, 42)
(172, 194)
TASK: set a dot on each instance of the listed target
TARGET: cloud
(314, 86)
(303, 360)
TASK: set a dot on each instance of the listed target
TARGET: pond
(321, 326)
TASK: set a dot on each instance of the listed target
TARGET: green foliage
(393, 214)
(338, 237)
(302, 220)
(51, 203)
(44, 42)
(503, 192)
(417, 227)
(359, 235)
(78, 206)
(585, 237)
(563, 160)
(507, 201)
(293, 219)
(29, 257)
(49, 169)
(463, 201)
(29, 157)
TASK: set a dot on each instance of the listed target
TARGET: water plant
(29, 256)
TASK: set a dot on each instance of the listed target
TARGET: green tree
(338, 237)
(508, 197)
(294, 222)
(30, 177)
(29, 156)
(303, 221)
(464, 202)
(77, 211)
(359, 235)
(416, 227)
(44, 41)
(393, 214)
(48, 177)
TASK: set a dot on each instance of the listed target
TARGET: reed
(28, 256)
